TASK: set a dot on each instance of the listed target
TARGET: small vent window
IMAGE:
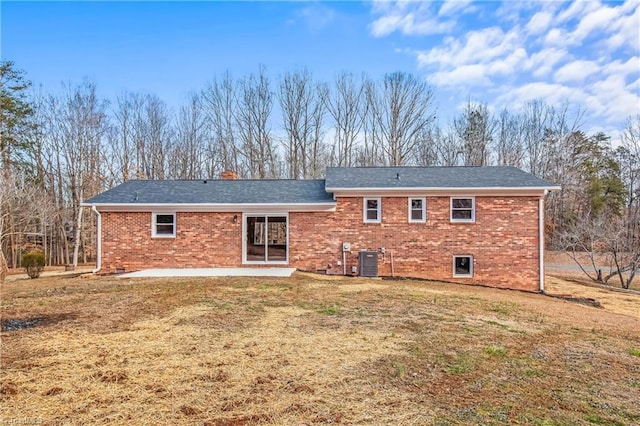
(463, 266)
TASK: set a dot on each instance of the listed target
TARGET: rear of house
(476, 225)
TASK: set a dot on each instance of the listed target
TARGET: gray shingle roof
(215, 192)
(431, 177)
(281, 191)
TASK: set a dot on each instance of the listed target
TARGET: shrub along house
(476, 225)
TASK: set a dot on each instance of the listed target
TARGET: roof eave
(442, 191)
(213, 207)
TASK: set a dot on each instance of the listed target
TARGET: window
(372, 210)
(164, 225)
(463, 209)
(266, 239)
(417, 210)
(463, 266)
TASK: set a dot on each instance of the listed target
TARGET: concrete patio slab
(210, 272)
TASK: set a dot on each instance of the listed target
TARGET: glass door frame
(245, 216)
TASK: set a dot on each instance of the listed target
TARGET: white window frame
(378, 210)
(473, 208)
(424, 209)
(470, 274)
(154, 224)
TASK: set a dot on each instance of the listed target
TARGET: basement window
(417, 210)
(463, 266)
(372, 210)
(164, 225)
(463, 209)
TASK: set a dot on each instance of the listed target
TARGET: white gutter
(98, 241)
(401, 192)
(215, 207)
(541, 241)
(443, 188)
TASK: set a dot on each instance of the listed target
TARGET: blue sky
(502, 53)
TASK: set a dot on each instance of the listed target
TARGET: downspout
(541, 239)
(99, 241)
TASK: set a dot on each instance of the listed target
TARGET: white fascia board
(403, 192)
(213, 207)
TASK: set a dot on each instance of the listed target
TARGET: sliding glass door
(265, 239)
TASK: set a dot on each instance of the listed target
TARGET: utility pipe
(344, 263)
(541, 240)
(99, 240)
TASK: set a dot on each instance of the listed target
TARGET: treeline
(59, 149)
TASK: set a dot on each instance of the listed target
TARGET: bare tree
(474, 128)
(597, 242)
(537, 118)
(401, 110)
(122, 138)
(77, 126)
(155, 139)
(509, 141)
(628, 154)
(302, 103)
(439, 148)
(186, 159)
(370, 152)
(25, 213)
(222, 150)
(255, 103)
(345, 104)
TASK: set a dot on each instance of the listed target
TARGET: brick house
(475, 225)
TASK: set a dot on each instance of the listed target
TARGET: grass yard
(313, 350)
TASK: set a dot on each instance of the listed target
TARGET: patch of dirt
(588, 301)
(17, 324)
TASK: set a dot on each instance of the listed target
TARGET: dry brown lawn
(308, 350)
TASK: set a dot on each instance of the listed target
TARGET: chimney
(229, 175)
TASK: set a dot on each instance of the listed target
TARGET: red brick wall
(503, 240)
(203, 240)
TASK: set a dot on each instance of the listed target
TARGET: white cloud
(317, 16)
(583, 52)
(409, 18)
(477, 47)
(543, 61)
(628, 68)
(551, 93)
(634, 87)
(464, 75)
(615, 98)
(595, 20)
(556, 37)
(577, 9)
(539, 23)
(628, 33)
(615, 26)
(576, 71)
(450, 7)
(513, 62)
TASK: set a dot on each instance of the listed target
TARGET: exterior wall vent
(368, 261)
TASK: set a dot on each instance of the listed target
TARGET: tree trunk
(76, 240)
(3, 267)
